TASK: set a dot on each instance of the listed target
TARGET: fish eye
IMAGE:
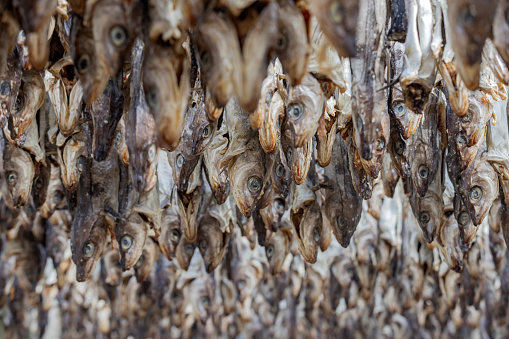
(400, 147)
(38, 183)
(126, 242)
(139, 262)
(316, 235)
(254, 184)
(118, 264)
(12, 179)
(269, 251)
(461, 140)
(205, 301)
(476, 193)
(424, 217)
(463, 218)
(280, 170)
(203, 244)
(337, 12)
(118, 35)
(423, 171)
(467, 117)
(83, 63)
(81, 164)
(380, 144)
(279, 204)
(118, 138)
(467, 16)
(151, 98)
(88, 249)
(341, 222)
(282, 41)
(268, 97)
(175, 236)
(289, 153)
(58, 198)
(399, 109)
(295, 111)
(206, 131)
(151, 153)
(189, 249)
(180, 160)
(5, 88)
(206, 60)
(19, 104)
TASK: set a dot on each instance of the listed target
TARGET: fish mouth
(82, 274)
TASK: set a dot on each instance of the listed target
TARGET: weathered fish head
(19, 174)
(121, 143)
(338, 20)
(308, 224)
(183, 162)
(87, 248)
(212, 242)
(185, 251)
(113, 268)
(171, 231)
(10, 82)
(203, 130)
(166, 84)
(131, 235)
(246, 175)
(277, 248)
(422, 169)
(56, 241)
(90, 68)
(274, 107)
(407, 120)
(202, 297)
(304, 108)
(298, 159)
(146, 261)
(40, 184)
(71, 166)
(452, 244)
(429, 215)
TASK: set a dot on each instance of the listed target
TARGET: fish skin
(34, 16)
(19, 167)
(501, 30)
(326, 134)
(308, 97)
(9, 28)
(91, 70)
(115, 26)
(424, 160)
(212, 242)
(338, 20)
(399, 21)
(146, 262)
(141, 129)
(369, 105)
(68, 157)
(247, 166)
(55, 193)
(219, 54)
(166, 84)
(40, 184)
(390, 176)
(106, 112)
(343, 205)
(292, 44)
(470, 22)
(449, 242)
(212, 157)
(455, 86)
(184, 253)
(277, 248)
(399, 149)
(407, 120)
(362, 181)
(10, 81)
(135, 228)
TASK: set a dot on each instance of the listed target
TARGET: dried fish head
(131, 235)
(19, 174)
(212, 241)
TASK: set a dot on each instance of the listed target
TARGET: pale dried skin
(55, 196)
(238, 128)
(390, 176)
(326, 135)
(217, 175)
(166, 84)
(32, 145)
(90, 68)
(68, 122)
(147, 260)
(501, 30)
(362, 181)
(369, 108)
(470, 23)
(247, 167)
(343, 206)
(497, 141)
(449, 242)
(270, 130)
(141, 129)
(68, 160)
(338, 20)
(256, 46)
(10, 82)
(220, 58)
(277, 248)
(299, 159)
(458, 92)
(305, 105)
(185, 251)
(120, 141)
(19, 174)
(407, 120)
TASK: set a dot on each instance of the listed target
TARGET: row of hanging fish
(155, 128)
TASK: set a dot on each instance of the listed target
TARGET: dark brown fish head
(422, 170)
(482, 190)
(429, 215)
(202, 297)
(185, 251)
(106, 112)
(146, 261)
(166, 84)
(40, 184)
(171, 232)
(398, 150)
(19, 174)
(131, 235)
(380, 132)
(277, 248)
(304, 107)
(211, 242)
(273, 212)
(91, 69)
(115, 25)
(218, 50)
(34, 16)
(470, 23)
(183, 164)
(143, 156)
(309, 227)
(247, 176)
(203, 130)
(10, 82)
(338, 20)
(281, 174)
(292, 44)
(88, 247)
